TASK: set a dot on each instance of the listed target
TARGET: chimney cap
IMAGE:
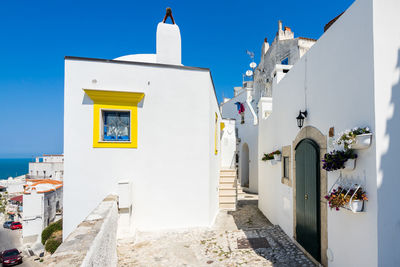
(168, 13)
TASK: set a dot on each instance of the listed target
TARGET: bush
(52, 245)
(49, 230)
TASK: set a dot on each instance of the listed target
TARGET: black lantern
(300, 118)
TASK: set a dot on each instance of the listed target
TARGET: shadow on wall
(388, 190)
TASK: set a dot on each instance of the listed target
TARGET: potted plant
(336, 198)
(342, 198)
(277, 155)
(356, 199)
(267, 157)
(357, 138)
(339, 159)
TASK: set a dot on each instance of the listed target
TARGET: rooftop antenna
(250, 54)
(253, 65)
(168, 14)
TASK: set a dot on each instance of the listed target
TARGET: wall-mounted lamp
(300, 118)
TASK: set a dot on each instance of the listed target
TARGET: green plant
(49, 230)
(340, 197)
(336, 159)
(3, 203)
(52, 245)
(270, 156)
(348, 137)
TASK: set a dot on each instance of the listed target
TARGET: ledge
(93, 243)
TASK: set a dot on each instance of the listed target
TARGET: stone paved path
(239, 238)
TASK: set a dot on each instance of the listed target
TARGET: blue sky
(36, 35)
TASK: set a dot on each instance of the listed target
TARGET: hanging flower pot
(338, 160)
(362, 141)
(277, 157)
(357, 205)
(350, 165)
(357, 138)
(273, 156)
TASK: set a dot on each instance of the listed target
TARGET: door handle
(306, 196)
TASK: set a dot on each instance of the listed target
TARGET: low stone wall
(93, 243)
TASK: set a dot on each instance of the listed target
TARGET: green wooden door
(307, 197)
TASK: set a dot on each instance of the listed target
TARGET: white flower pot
(350, 164)
(357, 205)
(362, 141)
(277, 157)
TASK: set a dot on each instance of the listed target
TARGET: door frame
(310, 132)
(245, 165)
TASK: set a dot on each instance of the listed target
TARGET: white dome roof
(148, 58)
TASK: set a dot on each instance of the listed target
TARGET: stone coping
(93, 242)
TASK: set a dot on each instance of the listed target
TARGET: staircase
(227, 189)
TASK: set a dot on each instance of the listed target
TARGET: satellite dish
(249, 73)
(253, 65)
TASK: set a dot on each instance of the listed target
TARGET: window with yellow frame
(114, 118)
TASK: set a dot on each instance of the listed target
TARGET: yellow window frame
(216, 134)
(114, 101)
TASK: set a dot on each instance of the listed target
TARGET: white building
(148, 123)
(14, 185)
(349, 78)
(43, 201)
(47, 166)
(276, 61)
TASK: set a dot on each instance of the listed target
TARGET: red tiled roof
(17, 198)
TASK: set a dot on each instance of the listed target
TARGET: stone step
(222, 172)
(227, 206)
(227, 186)
(228, 170)
(227, 192)
(227, 199)
(227, 176)
(227, 180)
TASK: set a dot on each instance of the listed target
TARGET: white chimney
(168, 43)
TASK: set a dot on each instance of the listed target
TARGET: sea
(14, 167)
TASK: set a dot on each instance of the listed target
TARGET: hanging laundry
(240, 107)
(237, 105)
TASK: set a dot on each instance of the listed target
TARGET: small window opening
(286, 167)
(116, 125)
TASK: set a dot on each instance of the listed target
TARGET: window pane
(285, 61)
(116, 126)
(286, 167)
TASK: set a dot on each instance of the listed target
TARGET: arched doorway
(307, 197)
(244, 166)
(309, 145)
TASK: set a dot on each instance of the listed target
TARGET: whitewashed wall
(33, 219)
(339, 94)
(387, 100)
(228, 145)
(247, 133)
(173, 170)
(46, 169)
